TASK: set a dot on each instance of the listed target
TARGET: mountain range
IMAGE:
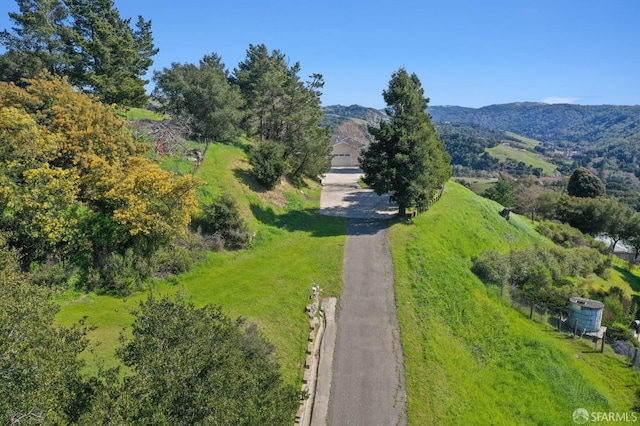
(602, 137)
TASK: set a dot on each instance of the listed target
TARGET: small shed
(585, 314)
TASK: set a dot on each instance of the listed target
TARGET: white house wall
(345, 156)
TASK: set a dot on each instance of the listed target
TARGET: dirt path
(367, 385)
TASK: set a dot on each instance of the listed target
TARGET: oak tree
(190, 366)
(202, 96)
(40, 381)
(585, 184)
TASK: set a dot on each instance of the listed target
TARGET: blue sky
(465, 52)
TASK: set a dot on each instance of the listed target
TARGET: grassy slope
(140, 114)
(502, 152)
(472, 359)
(526, 143)
(270, 283)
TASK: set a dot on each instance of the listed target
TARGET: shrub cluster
(544, 276)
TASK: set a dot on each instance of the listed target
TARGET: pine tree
(283, 109)
(85, 40)
(39, 40)
(406, 158)
(111, 57)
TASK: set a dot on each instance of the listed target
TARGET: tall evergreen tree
(406, 158)
(39, 39)
(87, 41)
(283, 109)
(110, 57)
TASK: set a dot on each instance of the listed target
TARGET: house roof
(353, 142)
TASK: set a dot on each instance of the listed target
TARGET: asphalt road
(367, 385)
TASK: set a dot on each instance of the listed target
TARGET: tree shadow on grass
(629, 278)
(244, 146)
(248, 179)
(307, 220)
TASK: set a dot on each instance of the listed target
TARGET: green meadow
(502, 152)
(470, 358)
(268, 284)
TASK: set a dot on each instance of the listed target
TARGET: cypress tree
(406, 158)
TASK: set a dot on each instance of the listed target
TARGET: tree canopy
(87, 41)
(202, 96)
(194, 366)
(283, 109)
(39, 365)
(406, 158)
(74, 181)
(585, 184)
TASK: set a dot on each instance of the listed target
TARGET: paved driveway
(342, 196)
(363, 383)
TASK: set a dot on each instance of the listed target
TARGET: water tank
(586, 312)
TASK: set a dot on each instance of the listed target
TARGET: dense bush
(122, 273)
(189, 366)
(546, 276)
(563, 234)
(222, 218)
(268, 163)
(618, 331)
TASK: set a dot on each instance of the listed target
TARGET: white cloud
(560, 100)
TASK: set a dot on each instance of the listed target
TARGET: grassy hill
(557, 123)
(269, 283)
(503, 152)
(470, 358)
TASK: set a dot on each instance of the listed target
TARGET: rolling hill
(604, 138)
(576, 125)
(470, 357)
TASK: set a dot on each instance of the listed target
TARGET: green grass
(139, 114)
(502, 152)
(478, 185)
(525, 143)
(269, 283)
(470, 358)
(623, 276)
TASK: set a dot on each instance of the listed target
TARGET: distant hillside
(351, 122)
(561, 124)
(338, 114)
(604, 138)
(467, 142)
